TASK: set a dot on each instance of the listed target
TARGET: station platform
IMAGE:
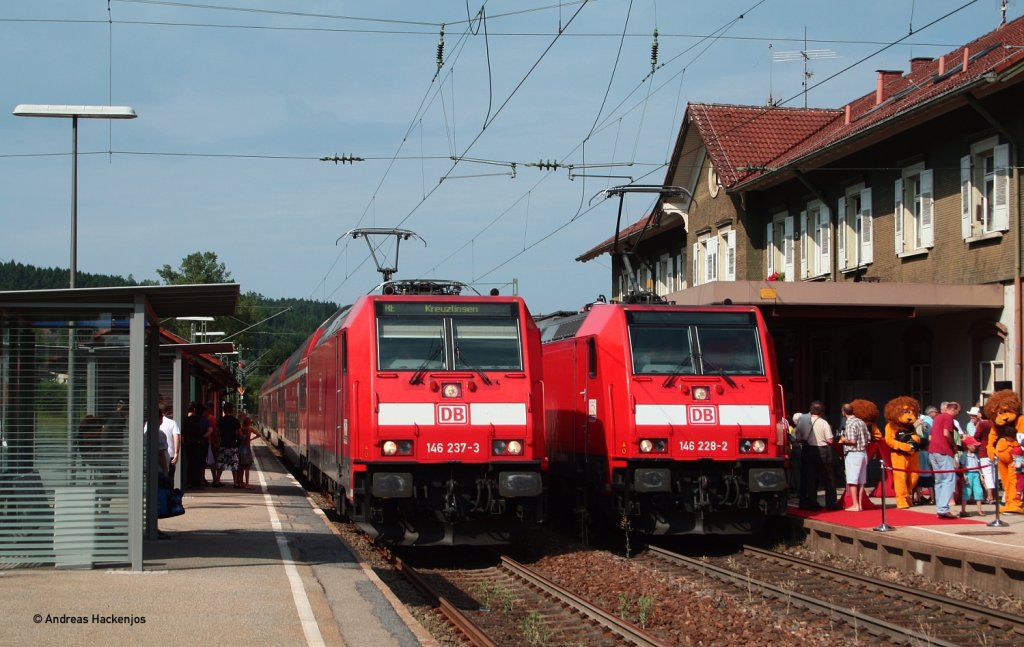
(241, 567)
(972, 549)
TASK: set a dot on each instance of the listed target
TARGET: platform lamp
(74, 113)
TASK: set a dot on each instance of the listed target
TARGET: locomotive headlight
(701, 393)
(755, 446)
(507, 447)
(653, 445)
(396, 447)
(451, 390)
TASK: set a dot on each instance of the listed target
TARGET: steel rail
(951, 604)
(459, 620)
(620, 627)
(872, 624)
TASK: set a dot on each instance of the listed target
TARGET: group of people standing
(939, 457)
(217, 444)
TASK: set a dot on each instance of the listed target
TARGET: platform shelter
(81, 372)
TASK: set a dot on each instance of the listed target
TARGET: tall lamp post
(74, 113)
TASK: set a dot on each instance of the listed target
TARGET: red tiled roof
(740, 140)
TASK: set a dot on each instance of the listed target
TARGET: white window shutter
(841, 234)
(712, 265)
(805, 244)
(695, 274)
(788, 243)
(730, 255)
(769, 249)
(966, 192)
(866, 231)
(898, 215)
(927, 210)
(1001, 210)
(824, 241)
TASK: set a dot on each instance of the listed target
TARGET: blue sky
(237, 100)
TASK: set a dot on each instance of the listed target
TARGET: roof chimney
(847, 119)
(884, 77)
(967, 59)
(919, 63)
(942, 65)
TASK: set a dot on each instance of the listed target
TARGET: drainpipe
(1018, 308)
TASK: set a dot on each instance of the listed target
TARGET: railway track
(511, 604)
(883, 610)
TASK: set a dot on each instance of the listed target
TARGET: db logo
(702, 415)
(453, 414)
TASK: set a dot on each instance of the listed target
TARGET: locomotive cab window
(411, 344)
(475, 337)
(694, 343)
(487, 345)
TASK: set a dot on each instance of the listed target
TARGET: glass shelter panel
(63, 438)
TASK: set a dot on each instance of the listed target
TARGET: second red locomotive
(666, 419)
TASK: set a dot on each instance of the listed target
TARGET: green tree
(196, 268)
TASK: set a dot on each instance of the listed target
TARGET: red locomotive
(666, 419)
(421, 409)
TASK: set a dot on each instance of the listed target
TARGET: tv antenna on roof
(804, 55)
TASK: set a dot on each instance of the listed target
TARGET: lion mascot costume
(900, 415)
(867, 411)
(1003, 409)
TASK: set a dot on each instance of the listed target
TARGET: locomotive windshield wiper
(417, 377)
(671, 379)
(459, 356)
(719, 370)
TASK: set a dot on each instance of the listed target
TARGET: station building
(881, 239)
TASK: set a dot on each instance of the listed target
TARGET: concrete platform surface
(246, 567)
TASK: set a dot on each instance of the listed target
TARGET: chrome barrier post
(997, 522)
(884, 527)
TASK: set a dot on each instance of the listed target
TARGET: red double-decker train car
(421, 410)
(665, 419)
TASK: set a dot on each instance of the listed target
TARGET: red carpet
(893, 516)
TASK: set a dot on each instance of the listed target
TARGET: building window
(779, 248)
(855, 232)
(680, 263)
(727, 254)
(914, 210)
(815, 241)
(985, 189)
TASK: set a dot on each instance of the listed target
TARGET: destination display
(444, 309)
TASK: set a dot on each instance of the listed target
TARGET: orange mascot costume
(900, 415)
(867, 411)
(1003, 409)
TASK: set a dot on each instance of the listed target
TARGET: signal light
(701, 393)
(451, 390)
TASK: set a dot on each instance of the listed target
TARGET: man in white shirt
(172, 434)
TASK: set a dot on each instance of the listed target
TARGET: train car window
(731, 350)
(662, 350)
(410, 344)
(482, 345)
